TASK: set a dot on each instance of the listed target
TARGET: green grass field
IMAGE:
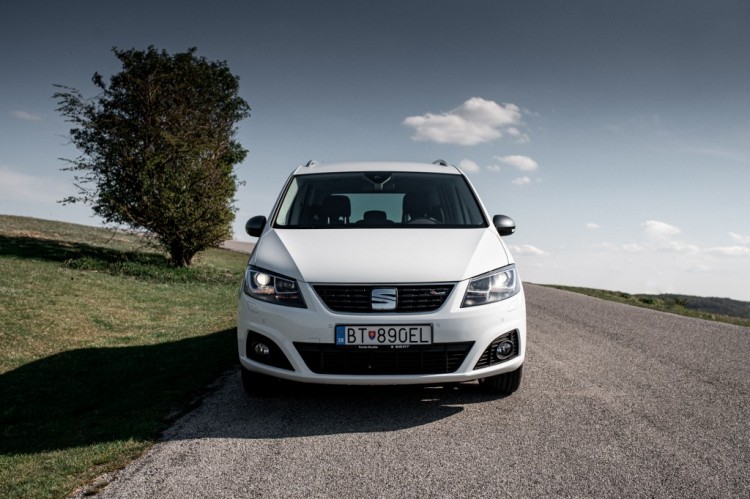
(100, 342)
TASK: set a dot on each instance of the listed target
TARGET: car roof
(369, 166)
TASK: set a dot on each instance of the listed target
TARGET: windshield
(379, 200)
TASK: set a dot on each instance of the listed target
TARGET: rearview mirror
(505, 225)
(254, 227)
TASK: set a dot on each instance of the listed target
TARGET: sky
(615, 134)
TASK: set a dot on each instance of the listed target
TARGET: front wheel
(502, 384)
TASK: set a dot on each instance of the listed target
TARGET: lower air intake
(439, 358)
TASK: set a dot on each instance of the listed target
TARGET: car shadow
(63, 251)
(97, 395)
(301, 410)
(93, 395)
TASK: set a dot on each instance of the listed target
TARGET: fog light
(504, 350)
(261, 349)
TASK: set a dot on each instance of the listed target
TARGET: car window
(379, 200)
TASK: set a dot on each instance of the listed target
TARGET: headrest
(337, 206)
(417, 204)
(375, 217)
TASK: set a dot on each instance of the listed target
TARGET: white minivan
(379, 273)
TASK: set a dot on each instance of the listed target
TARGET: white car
(381, 273)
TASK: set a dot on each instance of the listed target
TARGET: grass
(675, 304)
(100, 342)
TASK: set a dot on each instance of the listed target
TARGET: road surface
(616, 401)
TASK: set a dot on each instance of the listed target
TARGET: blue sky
(617, 135)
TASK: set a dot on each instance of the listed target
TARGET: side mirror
(254, 226)
(505, 225)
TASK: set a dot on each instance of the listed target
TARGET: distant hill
(719, 309)
(718, 306)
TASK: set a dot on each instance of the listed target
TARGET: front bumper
(474, 327)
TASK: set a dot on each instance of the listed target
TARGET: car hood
(380, 255)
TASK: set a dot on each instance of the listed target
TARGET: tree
(158, 148)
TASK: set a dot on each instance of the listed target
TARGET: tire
(502, 384)
(257, 384)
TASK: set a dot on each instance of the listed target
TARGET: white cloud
(663, 246)
(527, 249)
(523, 163)
(522, 181)
(475, 121)
(634, 248)
(489, 112)
(25, 115)
(678, 247)
(739, 238)
(593, 226)
(469, 166)
(662, 240)
(519, 136)
(658, 229)
(494, 168)
(646, 266)
(730, 250)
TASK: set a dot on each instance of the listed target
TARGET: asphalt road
(615, 402)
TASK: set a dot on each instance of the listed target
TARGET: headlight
(273, 288)
(492, 286)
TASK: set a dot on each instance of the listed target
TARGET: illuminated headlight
(492, 286)
(272, 288)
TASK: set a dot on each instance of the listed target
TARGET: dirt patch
(238, 246)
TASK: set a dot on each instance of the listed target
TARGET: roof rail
(311, 163)
(440, 162)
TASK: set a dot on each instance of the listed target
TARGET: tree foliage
(158, 147)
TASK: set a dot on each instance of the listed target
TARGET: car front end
(334, 294)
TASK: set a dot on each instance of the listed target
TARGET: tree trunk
(180, 256)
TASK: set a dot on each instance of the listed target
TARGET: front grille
(488, 356)
(438, 358)
(421, 298)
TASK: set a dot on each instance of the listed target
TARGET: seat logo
(384, 298)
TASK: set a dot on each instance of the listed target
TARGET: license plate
(384, 335)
